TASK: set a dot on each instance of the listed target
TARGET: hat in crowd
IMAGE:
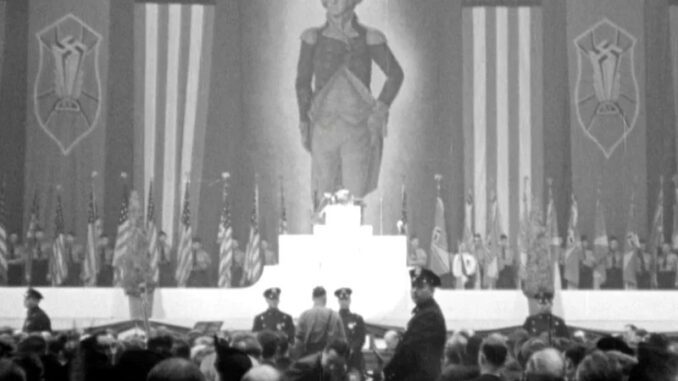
(343, 293)
(544, 297)
(33, 293)
(319, 291)
(272, 293)
(424, 277)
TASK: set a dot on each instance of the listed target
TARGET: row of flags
(533, 223)
(58, 263)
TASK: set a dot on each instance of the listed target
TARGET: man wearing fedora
(36, 319)
(273, 319)
(417, 357)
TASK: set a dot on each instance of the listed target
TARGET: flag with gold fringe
(184, 259)
(253, 257)
(225, 239)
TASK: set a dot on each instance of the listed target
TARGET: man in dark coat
(417, 356)
(273, 319)
(354, 327)
(36, 319)
(544, 322)
(328, 365)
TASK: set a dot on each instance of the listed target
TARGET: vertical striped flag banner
(502, 66)
(657, 237)
(122, 238)
(3, 236)
(172, 69)
(572, 245)
(184, 258)
(494, 231)
(439, 258)
(467, 234)
(225, 239)
(33, 225)
(553, 235)
(253, 255)
(58, 268)
(152, 234)
(402, 223)
(282, 226)
(89, 266)
(525, 234)
(601, 243)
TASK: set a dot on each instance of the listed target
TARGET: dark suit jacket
(37, 321)
(418, 355)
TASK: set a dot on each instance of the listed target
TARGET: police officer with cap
(545, 322)
(354, 327)
(273, 319)
(417, 356)
(36, 319)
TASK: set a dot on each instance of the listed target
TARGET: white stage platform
(373, 266)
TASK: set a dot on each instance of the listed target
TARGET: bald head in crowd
(262, 373)
(545, 364)
(175, 369)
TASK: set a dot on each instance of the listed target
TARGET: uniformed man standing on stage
(354, 327)
(544, 322)
(419, 352)
(36, 319)
(273, 319)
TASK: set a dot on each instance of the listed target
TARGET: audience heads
(262, 373)
(546, 362)
(610, 343)
(231, 363)
(334, 355)
(247, 343)
(599, 366)
(473, 350)
(175, 369)
(455, 349)
(269, 343)
(10, 371)
(493, 352)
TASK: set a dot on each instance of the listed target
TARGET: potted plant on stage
(136, 276)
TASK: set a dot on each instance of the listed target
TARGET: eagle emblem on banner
(67, 93)
(606, 91)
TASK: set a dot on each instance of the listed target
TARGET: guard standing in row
(545, 322)
(354, 326)
(273, 319)
(36, 319)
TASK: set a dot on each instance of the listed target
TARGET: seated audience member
(175, 369)
(545, 365)
(268, 340)
(493, 354)
(528, 348)
(458, 365)
(573, 357)
(262, 373)
(10, 371)
(329, 364)
(599, 366)
(231, 363)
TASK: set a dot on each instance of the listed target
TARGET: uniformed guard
(417, 356)
(545, 322)
(36, 319)
(354, 326)
(274, 319)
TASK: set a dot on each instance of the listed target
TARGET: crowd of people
(325, 344)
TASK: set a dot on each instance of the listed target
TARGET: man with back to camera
(36, 319)
(317, 326)
(327, 365)
(491, 358)
(273, 319)
(341, 123)
(418, 354)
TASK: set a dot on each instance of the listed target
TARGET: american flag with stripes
(3, 236)
(502, 75)
(58, 268)
(123, 236)
(152, 234)
(225, 239)
(184, 259)
(89, 266)
(172, 65)
(33, 226)
(253, 257)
